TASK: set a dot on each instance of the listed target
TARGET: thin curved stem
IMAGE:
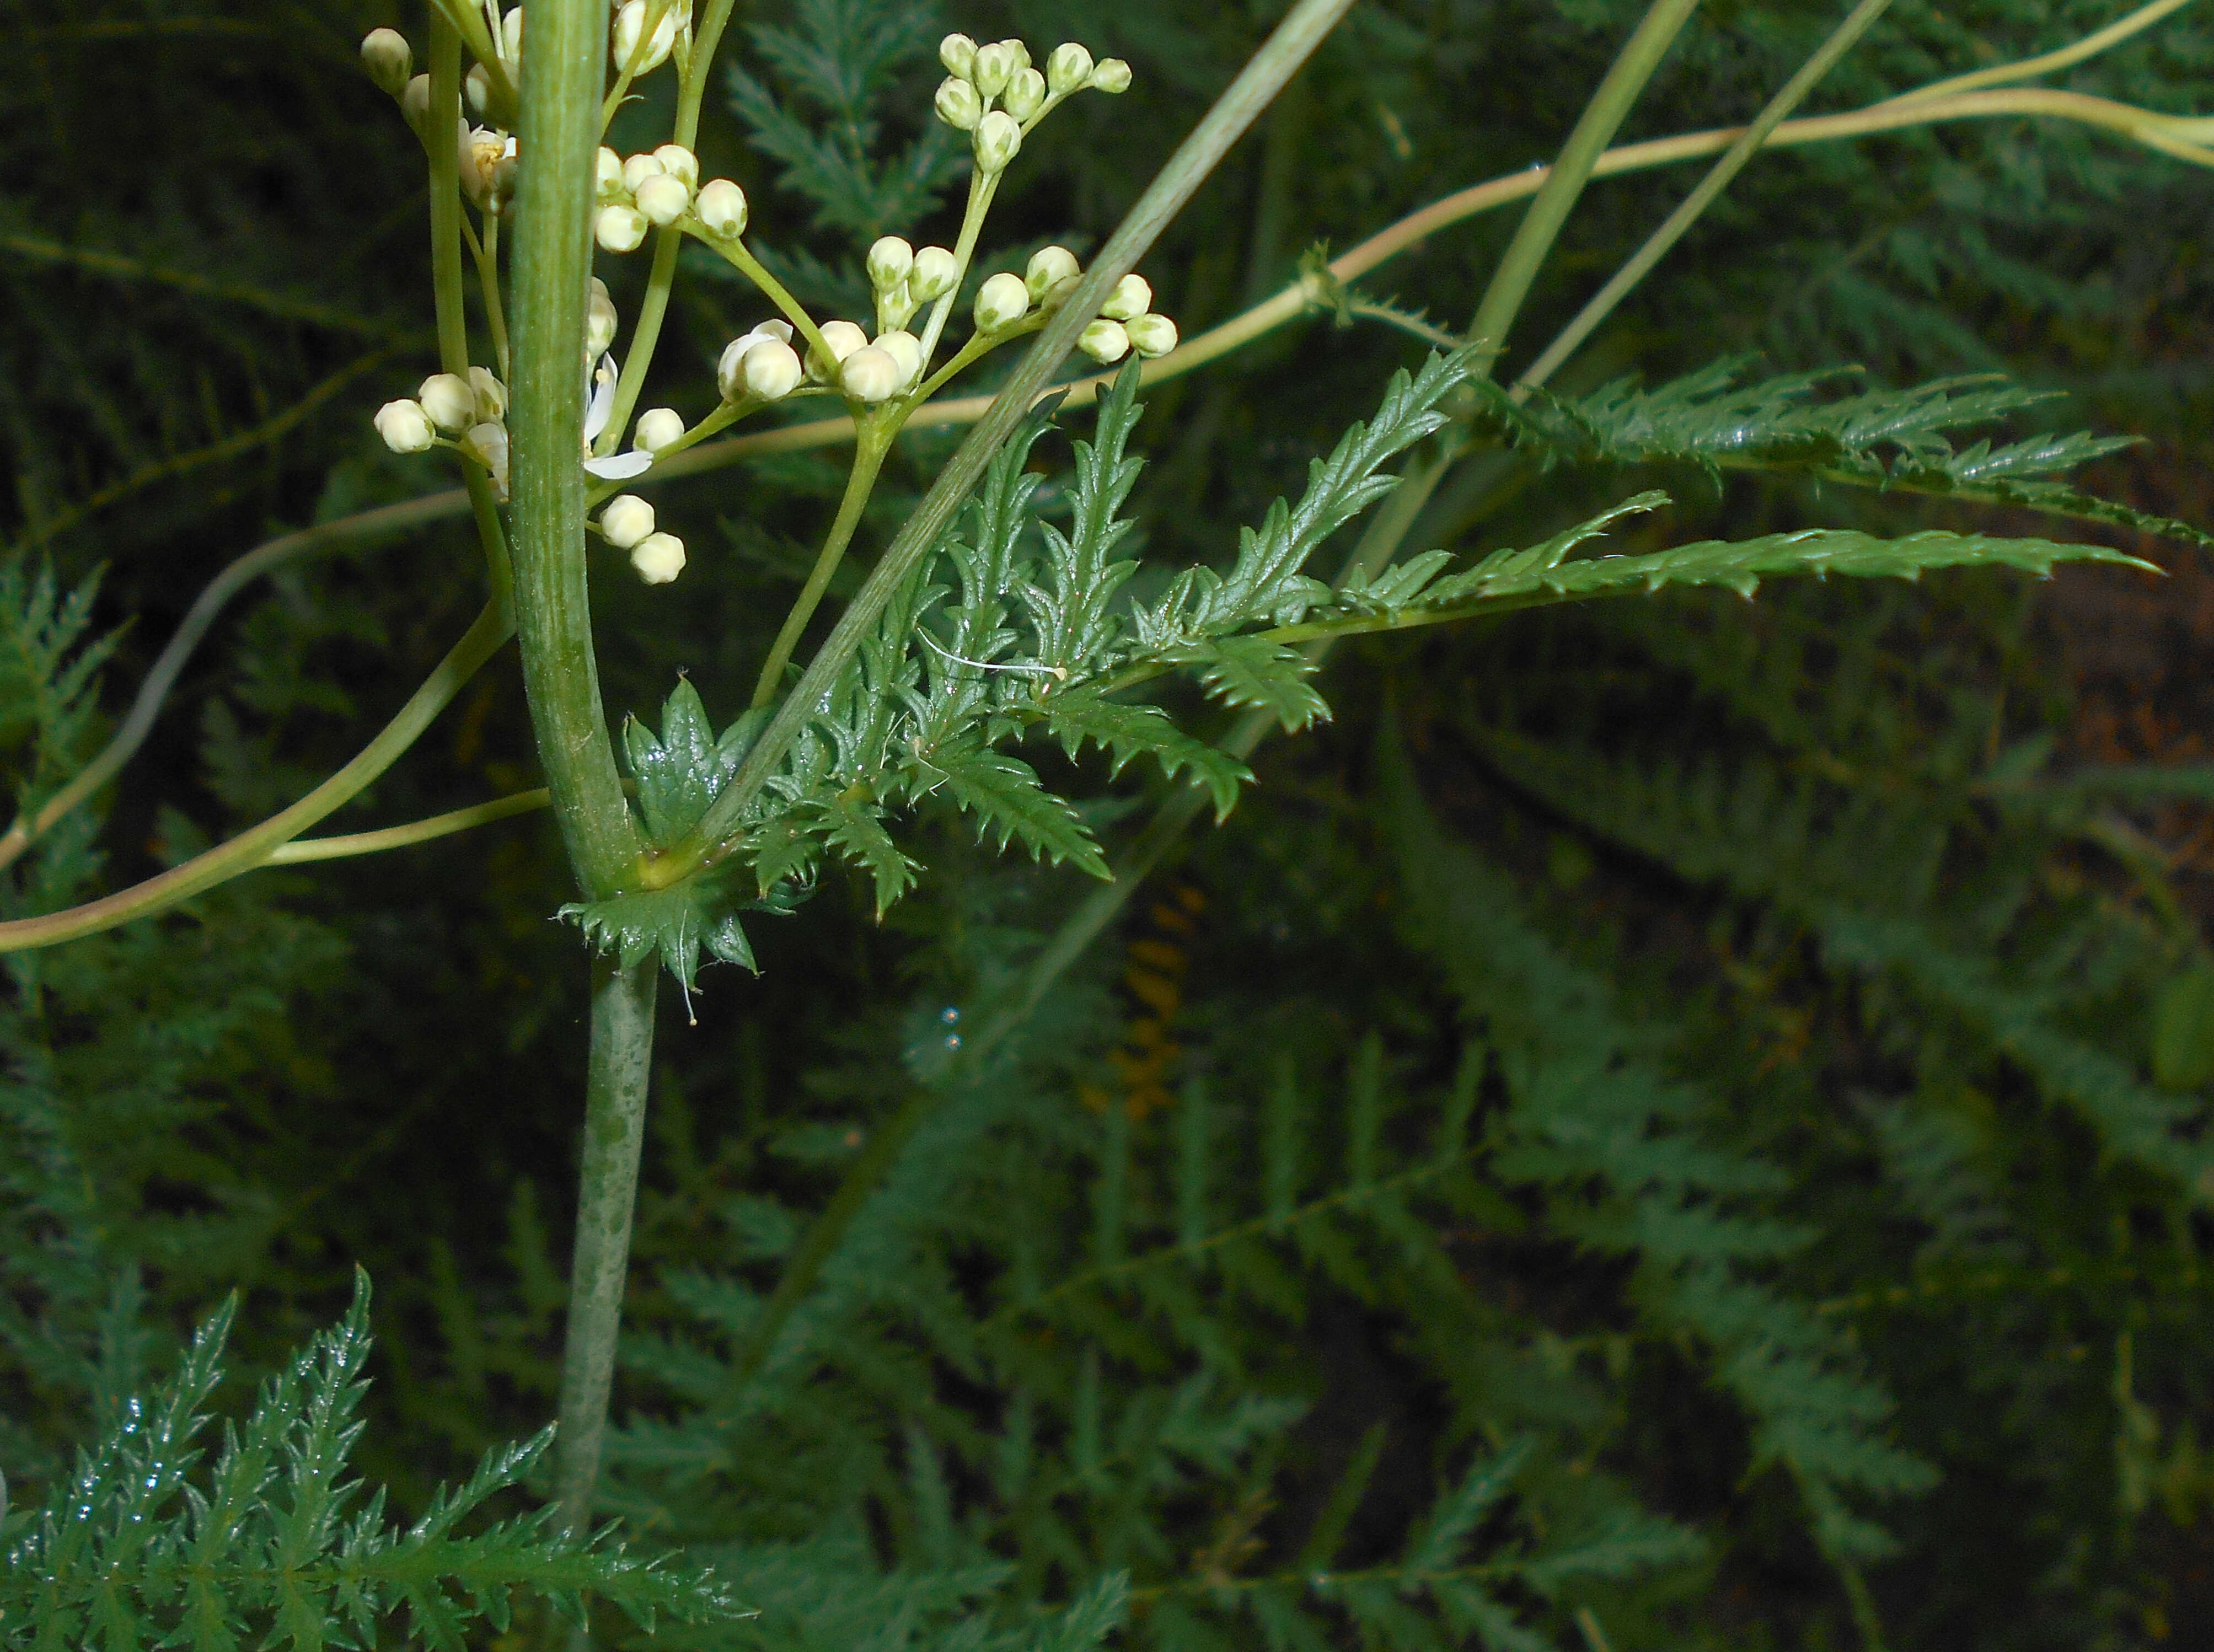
(982, 188)
(415, 831)
(153, 691)
(251, 848)
(740, 258)
(2066, 58)
(869, 452)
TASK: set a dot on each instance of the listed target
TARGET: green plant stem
(982, 188)
(706, 35)
(443, 115)
(644, 337)
(2067, 57)
(614, 1129)
(1300, 32)
(251, 848)
(874, 442)
(736, 254)
(1709, 190)
(1557, 197)
(415, 831)
(488, 278)
(551, 277)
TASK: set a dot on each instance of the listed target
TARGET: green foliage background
(1666, 1124)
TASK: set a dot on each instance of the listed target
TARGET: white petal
(619, 466)
(601, 408)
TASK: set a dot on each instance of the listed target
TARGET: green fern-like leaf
(135, 1548)
(1004, 794)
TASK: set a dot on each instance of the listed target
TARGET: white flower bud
(1001, 302)
(722, 209)
(406, 427)
(488, 442)
(476, 90)
(994, 67)
(890, 258)
(607, 176)
(450, 401)
(658, 428)
(1151, 335)
(1068, 70)
(1017, 51)
(1049, 267)
(934, 274)
(1106, 342)
(663, 199)
(490, 395)
(730, 371)
(1025, 94)
(842, 339)
(998, 141)
(631, 52)
(958, 105)
(625, 520)
(637, 170)
(511, 36)
(1110, 76)
(1133, 295)
(619, 228)
(600, 321)
(385, 55)
(905, 349)
(772, 370)
(869, 375)
(415, 102)
(679, 163)
(958, 53)
(658, 557)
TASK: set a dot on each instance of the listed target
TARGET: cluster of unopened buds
(467, 414)
(992, 92)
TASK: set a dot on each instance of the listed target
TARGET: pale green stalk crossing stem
(875, 441)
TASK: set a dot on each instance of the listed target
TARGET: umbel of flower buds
(385, 55)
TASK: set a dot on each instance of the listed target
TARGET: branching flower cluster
(882, 372)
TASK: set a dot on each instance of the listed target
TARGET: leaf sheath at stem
(614, 1126)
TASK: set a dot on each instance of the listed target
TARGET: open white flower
(616, 466)
(487, 445)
